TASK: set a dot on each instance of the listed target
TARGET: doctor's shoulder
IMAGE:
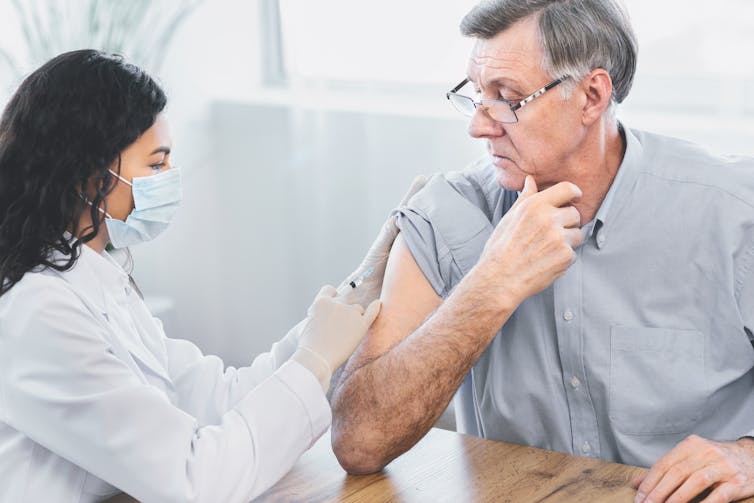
(40, 294)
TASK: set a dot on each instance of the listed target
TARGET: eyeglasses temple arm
(459, 86)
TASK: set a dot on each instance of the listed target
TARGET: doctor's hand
(332, 331)
(697, 464)
(533, 244)
(375, 261)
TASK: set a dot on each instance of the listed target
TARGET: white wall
(291, 201)
(284, 189)
(215, 54)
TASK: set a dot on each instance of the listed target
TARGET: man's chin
(508, 180)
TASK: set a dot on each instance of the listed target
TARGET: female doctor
(94, 398)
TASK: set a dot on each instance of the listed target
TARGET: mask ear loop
(129, 258)
(87, 201)
(120, 178)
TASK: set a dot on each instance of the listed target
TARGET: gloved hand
(332, 331)
(375, 261)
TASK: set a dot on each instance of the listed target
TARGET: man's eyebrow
(500, 82)
(505, 82)
(164, 150)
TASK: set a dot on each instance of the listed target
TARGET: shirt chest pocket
(657, 380)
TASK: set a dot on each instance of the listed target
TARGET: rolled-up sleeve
(445, 231)
(426, 247)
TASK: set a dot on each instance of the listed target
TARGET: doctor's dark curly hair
(65, 126)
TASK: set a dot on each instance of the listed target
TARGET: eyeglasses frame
(511, 103)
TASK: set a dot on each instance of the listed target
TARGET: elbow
(359, 440)
(357, 457)
(359, 461)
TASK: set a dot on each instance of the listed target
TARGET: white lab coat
(95, 399)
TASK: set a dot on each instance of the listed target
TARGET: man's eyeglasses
(500, 110)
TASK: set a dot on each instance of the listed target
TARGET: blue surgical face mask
(156, 199)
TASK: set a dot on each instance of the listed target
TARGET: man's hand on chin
(698, 464)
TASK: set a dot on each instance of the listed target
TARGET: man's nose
(482, 125)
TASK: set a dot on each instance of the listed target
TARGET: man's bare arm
(419, 350)
(396, 387)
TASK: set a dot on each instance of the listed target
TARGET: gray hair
(577, 36)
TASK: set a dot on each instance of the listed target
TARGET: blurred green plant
(141, 30)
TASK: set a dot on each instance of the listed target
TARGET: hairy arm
(412, 361)
(420, 349)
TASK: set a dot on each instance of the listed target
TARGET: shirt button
(127, 289)
(568, 316)
(586, 448)
(601, 239)
(575, 382)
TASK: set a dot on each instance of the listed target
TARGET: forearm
(385, 405)
(206, 388)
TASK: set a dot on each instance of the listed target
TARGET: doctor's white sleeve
(61, 385)
(207, 389)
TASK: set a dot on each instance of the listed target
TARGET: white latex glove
(368, 277)
(332, 331)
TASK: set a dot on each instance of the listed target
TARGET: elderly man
(588, 288)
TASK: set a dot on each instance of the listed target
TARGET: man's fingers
(567, 216)
(696, 483)
(530, 187)
(696, 465)
(636, 481)
(658, 471)
(675, 477)
(574, 237)
(724, 493)
(561, 194)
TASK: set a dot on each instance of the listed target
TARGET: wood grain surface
(449, 467)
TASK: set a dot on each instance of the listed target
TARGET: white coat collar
(97, 278)
(93, 274)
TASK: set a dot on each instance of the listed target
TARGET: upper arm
(407, 300)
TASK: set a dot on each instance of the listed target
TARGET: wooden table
(448, 466)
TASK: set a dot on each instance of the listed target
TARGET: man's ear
(597, 87)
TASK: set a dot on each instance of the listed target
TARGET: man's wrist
(500, 296)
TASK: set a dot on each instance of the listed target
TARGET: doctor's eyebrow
(164, 150)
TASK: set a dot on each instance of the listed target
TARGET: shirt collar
(619, 190)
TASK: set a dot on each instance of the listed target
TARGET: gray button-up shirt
(646, 338)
